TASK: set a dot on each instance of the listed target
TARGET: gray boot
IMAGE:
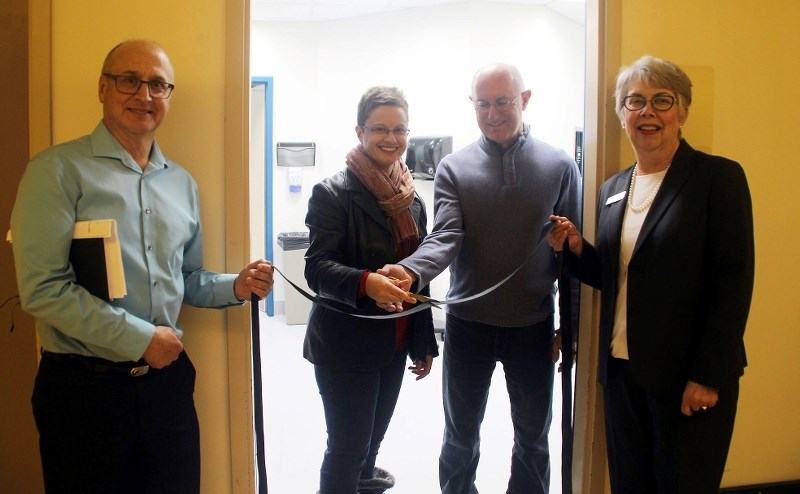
(380, 481)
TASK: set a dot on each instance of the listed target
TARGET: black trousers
(654, 448)
(102, 430)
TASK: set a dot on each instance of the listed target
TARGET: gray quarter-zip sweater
(491, 211)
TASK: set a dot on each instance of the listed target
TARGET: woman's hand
(563, 230)
(698, 398)
(388, 293)
(422, 369)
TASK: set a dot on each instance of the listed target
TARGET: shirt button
(155, 283)
(147, 211)
(149, 246)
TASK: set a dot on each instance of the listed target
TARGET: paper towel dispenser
(424, 154)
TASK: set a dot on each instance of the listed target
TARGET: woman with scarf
(360, 219)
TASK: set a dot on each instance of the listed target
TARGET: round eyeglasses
(129, 84)
(662, 102)
(500, 104)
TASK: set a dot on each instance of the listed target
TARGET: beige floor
(295, 427)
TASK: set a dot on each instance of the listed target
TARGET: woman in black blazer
(359, 220)
(674, 259)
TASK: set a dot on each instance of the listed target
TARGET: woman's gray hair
(654, 72)
(379, 96)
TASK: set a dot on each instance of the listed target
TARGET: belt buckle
(140, 371)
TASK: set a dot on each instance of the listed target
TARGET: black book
(96, 258)
(88, 259)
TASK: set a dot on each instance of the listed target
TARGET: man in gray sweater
(492, 203)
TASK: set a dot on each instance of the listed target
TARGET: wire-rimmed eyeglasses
(129, 84)
(383, 131)
(661, 102)
(500, 104)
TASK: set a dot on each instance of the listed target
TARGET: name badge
(615, 198)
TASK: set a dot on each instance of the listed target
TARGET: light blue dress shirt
(158, 221)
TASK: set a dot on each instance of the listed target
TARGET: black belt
(99, 365)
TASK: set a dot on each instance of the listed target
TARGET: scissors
(417, 296)
(424, 299)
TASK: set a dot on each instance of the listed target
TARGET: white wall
(320, 71)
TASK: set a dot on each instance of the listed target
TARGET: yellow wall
(742, 57)
(194, 134)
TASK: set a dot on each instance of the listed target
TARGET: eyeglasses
(383, 131)
(661, 102)
(500, 104)
(128, 84)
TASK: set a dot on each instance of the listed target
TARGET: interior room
(320, 69)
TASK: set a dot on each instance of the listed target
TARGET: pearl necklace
(647, 202)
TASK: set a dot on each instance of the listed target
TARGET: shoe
(380, 481)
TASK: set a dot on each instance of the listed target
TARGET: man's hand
(400, 272)
(256, 278)
(164, 348)
(402, 278)
(558, 347)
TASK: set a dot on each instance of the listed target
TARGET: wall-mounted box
(296, 153)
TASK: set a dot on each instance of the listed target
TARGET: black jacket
(690, 278)
(350, 234)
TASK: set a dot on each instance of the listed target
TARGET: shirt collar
(496, 149)
(105, 145)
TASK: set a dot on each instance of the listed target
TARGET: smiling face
(653, 133)
(132, 117)
(384, 149)
(502, 126)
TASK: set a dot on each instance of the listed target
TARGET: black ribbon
(565, 291)
(420, 306)
(258, 396)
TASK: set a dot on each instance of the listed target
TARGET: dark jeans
(358, 407)
(102, 432)
(471, 351)
(653, 447)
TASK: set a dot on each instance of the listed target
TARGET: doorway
(320, 70)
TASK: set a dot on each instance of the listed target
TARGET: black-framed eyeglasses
(500, 104)
(129, 84)
(662, 102)
(383, 131)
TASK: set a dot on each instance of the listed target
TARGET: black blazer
(690, 278)
(350, 234)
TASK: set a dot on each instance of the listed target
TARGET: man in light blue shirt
(113, 398)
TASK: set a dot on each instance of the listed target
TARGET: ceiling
(326, 10)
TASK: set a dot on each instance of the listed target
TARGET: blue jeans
(471, 351)
(358, 407)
